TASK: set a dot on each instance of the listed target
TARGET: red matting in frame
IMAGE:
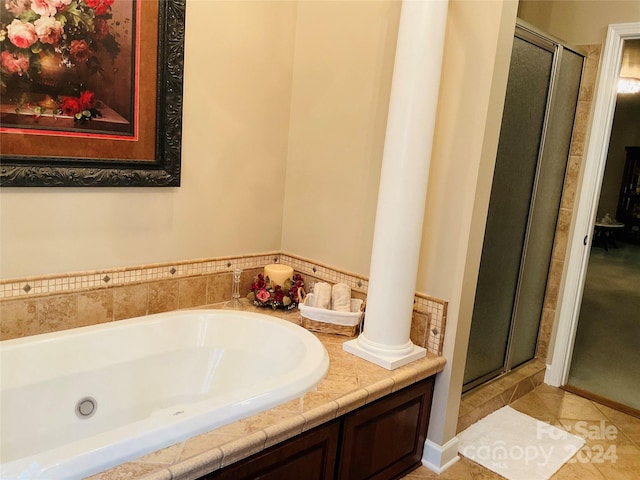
(87, 144)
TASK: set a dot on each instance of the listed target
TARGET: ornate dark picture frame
(164, 170)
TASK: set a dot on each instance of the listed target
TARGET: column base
(389, 360)
(439, 458)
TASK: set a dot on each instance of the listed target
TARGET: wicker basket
(330, 321)
(322, 327)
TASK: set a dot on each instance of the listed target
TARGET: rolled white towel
(341, 297)
(322, 295)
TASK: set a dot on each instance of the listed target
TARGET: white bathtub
(156, 380)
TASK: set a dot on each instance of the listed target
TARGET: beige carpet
(606, 354)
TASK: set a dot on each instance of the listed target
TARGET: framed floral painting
(91, 92)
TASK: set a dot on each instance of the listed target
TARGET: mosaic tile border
(74, 282)
(435, 310)
(327, 273)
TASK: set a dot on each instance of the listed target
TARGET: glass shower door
(511, 192)
(540, 103)
(545, 209)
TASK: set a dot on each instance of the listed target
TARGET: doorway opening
(606, 352)
(581, 241)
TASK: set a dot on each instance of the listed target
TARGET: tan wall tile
(480, 412)
(538, 378)
(562, 234)
(571, 182)
(95, 307)
(590, 72)
(130, 301)
(219, 287)
(192, 292)
(58, 312)
(419, 325)
(247, 278)
(580, 128)
(553, 285)
(360, 295)
(18, 319)
(522, 389)
(544, 335)
(163, 296)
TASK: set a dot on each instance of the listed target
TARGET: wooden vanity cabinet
(382, 440)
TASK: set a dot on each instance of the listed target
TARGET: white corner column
(403, 187)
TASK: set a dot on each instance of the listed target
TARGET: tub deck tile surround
(34, 305)
(351, 382)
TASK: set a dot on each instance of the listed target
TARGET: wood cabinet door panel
(385, 439)
(311, 455)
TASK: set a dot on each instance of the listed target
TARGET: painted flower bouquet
(81, 108)
(39, 39)
(264, 294)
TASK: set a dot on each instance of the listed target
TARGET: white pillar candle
(278, 274)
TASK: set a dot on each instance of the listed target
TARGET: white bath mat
(517, 446)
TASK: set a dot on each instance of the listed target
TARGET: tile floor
(611, 452)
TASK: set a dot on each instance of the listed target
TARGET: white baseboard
(552, 376)
(439, 458)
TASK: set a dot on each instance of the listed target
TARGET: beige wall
(536, 12)
(344, 53)
(238, 65)
(242, 85)
(578, 22)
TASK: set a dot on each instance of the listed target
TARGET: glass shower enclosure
(533, 150)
